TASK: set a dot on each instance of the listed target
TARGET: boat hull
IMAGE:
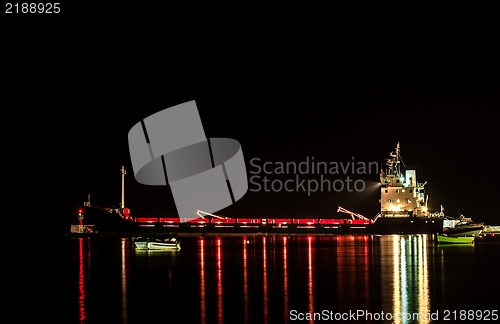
(141, 245)
(444, 239)
(163, 246)
(468, 231)
(156, 246)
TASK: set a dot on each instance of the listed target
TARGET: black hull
(408, 225)
(112, 222)
(106, 221)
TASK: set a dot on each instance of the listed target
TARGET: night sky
(73, 96)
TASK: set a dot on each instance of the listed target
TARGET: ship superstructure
(401, 194)
(403, 203)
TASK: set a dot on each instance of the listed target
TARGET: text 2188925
(32, 7)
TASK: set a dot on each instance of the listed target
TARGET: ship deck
(390, 225)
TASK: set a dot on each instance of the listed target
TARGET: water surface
(258, 279)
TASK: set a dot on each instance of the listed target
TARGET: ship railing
(83, 229)
(376, 217)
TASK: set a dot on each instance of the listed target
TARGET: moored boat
(464, 227)
(490, 230)
(445, 239)
(156, 242)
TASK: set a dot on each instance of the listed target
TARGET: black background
(285, 84)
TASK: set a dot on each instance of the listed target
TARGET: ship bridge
(401, 194)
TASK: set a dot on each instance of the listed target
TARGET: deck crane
(353, 214)
(201, 213)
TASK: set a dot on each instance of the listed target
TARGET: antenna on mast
(397, 157)
(393, 166)
(122, 205)
(87, 203)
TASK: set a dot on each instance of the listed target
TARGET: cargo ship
(403, 210)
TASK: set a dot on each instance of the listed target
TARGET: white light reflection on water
(423, 279)
(403, 276)
(411, 299)
(397, 280)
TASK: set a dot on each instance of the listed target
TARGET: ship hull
(408, 225)
(111, 222)
(105, 221)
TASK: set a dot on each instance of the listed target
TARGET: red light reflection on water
(353, 271)
(285, 281)
(220, 308)
(264, 266)
(201, 255)
(366, 263)
(310, 275)
(245, 281)
(340, 271)
(81, 285)
(124, 252)
(348, 263)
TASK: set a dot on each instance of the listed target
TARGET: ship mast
(393, 165)
(87, 203)
(122, 205)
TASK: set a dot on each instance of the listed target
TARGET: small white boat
(464, 227)
(156, 243)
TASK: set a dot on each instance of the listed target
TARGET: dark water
(257, 279)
